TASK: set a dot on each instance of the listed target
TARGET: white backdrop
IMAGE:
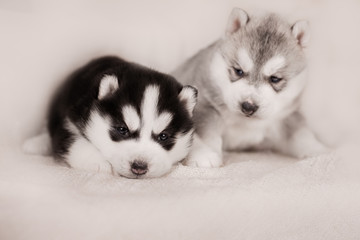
(42, 41)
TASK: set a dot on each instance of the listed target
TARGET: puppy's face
(141, 126)
(261, 65)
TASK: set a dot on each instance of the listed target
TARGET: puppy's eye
(124, 131)
(239, 72)
(163, 137)
(274, 79)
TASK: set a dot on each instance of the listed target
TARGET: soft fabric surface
(254, 196)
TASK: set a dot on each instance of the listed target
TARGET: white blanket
(254, 196)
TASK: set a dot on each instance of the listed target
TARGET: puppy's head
(141, 121)
(260, 67)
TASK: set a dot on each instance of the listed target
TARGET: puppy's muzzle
(249, 108)
(139, 167)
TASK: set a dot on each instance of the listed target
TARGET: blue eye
(163, 137)
(239, 72)
(122, 130)
(275, 79)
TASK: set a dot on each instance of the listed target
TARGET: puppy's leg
(299, 140)
(206, 150)
(83, 155)
(39, 145)
(202, 155)
(304, 144)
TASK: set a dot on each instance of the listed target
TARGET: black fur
(78, 97)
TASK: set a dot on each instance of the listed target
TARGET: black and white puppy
(122, 118)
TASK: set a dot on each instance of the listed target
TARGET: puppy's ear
(301, 32)
(108, 85)
(188, 95)
(238, 18)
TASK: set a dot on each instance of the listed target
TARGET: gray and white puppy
(250, 83)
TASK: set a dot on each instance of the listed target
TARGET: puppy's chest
(240, 133)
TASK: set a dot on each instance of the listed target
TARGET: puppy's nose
(139, 167)
(249, 108)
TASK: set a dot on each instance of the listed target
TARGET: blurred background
(43, 41)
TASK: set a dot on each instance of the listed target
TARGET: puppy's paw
(305, 144)
(312, 151)
(38, 145)
(204, 158)
(94, 166)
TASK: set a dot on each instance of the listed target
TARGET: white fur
(151, 121)
(241, 132)
(120, 155)
(245, 61)
(83, 155)
(188, 96)
(273, 65)
(248, 132)
(161, 122)
(232, 92)
(108, 85)
(149, 110)
(40, 144)
(98, 153)
(218, 71)
(203, 156)
(181, 148)
(71, 127)
(303, 144)
(97, 132)
(131, 117)
(271, 104)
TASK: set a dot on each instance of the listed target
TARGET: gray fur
(263, 38)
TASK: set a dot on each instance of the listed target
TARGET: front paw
(309, 151)
(92, 166)
(204, 159)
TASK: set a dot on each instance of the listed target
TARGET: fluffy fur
(122, 118)
(250, 84)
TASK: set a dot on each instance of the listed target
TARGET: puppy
(250, 84)
(118, 117)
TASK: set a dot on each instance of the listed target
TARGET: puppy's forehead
(162, 121)
(131, 117)
(273, 65)
(270, 44)
(264, 37)
(245, 60)
(152, 120)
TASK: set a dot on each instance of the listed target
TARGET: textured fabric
(254, 196)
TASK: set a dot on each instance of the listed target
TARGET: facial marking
(131, 118)
(161, 122)
(245, 61)
(273, 65)
(149, 110)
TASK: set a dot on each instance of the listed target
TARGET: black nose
(139, 168)
(249, 108)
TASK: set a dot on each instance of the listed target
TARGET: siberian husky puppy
(250, 83)
(118, 117)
